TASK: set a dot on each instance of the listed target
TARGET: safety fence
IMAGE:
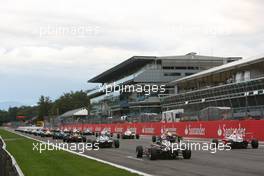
(8, 165)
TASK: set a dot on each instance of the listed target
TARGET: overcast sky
(53, 46)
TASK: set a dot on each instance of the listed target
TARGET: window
(188, 74)
(168, 68)
(180, 68)
(172, 74)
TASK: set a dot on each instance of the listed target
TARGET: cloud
(72, 41)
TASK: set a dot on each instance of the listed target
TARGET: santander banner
(202, 129)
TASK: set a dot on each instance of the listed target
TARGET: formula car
(45, 133)
(36, 132)
(163, 149)
(74, 137)
(59, 135)
(104, 132)
(238, 141)
(105, 141)
(87, 132)
(128, 134)
(172, 138)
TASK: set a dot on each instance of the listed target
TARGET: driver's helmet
(165, 135)
(169, 134)
(104, 132)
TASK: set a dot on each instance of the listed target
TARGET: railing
(251, 112)
(228, 91)
(8, 164)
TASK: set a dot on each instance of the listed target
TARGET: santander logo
(199, 131)
(228, 131)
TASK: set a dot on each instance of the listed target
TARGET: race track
(237, 162)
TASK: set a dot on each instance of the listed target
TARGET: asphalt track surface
(237, 162)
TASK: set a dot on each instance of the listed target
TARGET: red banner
(21, 117)
(202, 129)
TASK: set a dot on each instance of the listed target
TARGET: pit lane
(239, 162)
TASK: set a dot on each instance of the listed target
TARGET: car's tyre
(116, 143)
(111, 135)
(154, 138)
(174, 154)
(245, 144)
(186, 154)
(215, 142)
(139, 151)
(173, 140)
(137, 136)
(153, 154)
(96, 134)
(118, 136)
(92, 133)
(93, 143)
(254, 143)
(231, 144)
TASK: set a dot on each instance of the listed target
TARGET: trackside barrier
(8, 164)
(197, 129)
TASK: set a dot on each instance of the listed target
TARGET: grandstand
(143, 70)
(231, 91)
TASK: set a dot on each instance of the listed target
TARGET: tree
(70, 101)
(44, 107)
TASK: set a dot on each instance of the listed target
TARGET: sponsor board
(201, 129)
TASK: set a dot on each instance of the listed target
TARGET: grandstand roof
(135, 61)
(226, 67)
(75, 112)
(139, 61)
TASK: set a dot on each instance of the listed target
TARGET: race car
(238, 141)
(163, 149)
(74, 137)
(45, 133)
(128, 134)
(105, 141)
(87, 132)
(37, 132)
(172, 137)
(59, 135)
(103, 132)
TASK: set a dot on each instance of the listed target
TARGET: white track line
(131, 157)
(90, 157)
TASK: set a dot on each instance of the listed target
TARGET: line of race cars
(160, 148)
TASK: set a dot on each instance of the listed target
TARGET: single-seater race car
(45, 133)
(173, 138)
(105, 132)
(59, 135)
(104, 140)
(87, 132)
(162, 148)
(74, 137)
(238, 141)
(128, 134)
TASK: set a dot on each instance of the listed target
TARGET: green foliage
(44, 107)
(47, 108)
(70, 101)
